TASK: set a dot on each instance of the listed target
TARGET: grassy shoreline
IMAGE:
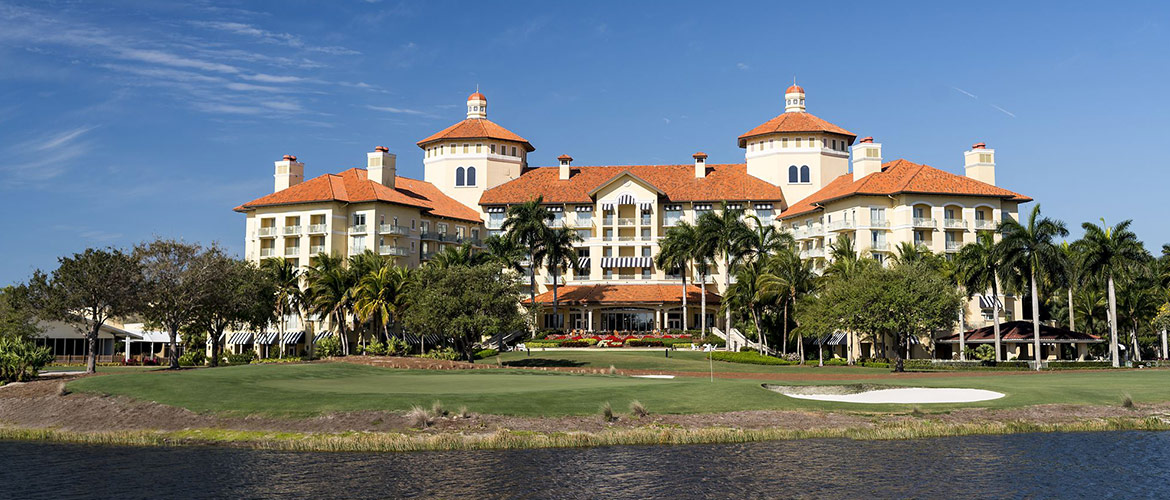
(511, 440)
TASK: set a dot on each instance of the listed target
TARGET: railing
(266, 231)
(954, 223)
(954, 246)
(646, 220)
(431, 236)
(318, 228)
(316, 249)
(628, 276)
(812, 253)
(557, 222)
(840, 225)
(626, 238)
(625, 221)
(646, 237)
(548, 280)
(292, 251)
(879, 223)
(984, 224)
(70, 359)
(880, 246)
(291, 230)
(427, 255)
(267, 252)
(580, 221)
(357, 228)
(608, 221)
(924, 222)
(356, 249)
(451, 238)
(393, 250)
(392, 229)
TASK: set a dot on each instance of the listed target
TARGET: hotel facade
(800, 173)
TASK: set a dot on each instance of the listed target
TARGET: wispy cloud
(267, 36)
(44, 157)
(742, 66)
(973, 96)
(401, 111)
(1004, 111)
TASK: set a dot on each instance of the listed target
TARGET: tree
(785, 279)
(88, 289)
(463, 304)
(330, 286)
(745, 295)
(560, 254)
(676, 251)
(726, 234)
(527, 225)
(460, 255)
(845, 259)
(978, 268)
(1030, 250)
(288, 297)
(379, 296)
(234, 291)
(1109, 251)
(174, 280)
(17, 313)
(503, 252)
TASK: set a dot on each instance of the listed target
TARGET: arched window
(792, 175)
(804, 174)
(470, 176)
(459, 176)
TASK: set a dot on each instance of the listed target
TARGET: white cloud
(742, 66)
(402, 111)
(168, 59)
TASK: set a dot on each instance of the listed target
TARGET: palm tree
(378, 296)
(745, 295)
(331, 287)
(560, 255)
(1029, 250)
(1138, 303)
(1070, 277)
(503, 252)
(527, 225)
(978, 266)
(726, 234)
(675, 251)
(910, 253)
(785, 279)
(461, 255)
(763, 240)
(1110, 251)
(287, 280)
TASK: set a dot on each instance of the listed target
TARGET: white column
(127, 348)
(589, 320)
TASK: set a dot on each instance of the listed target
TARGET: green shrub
(578, 343)
(397, 347)
(541, 344)
(753, 358)
(20, 359)
(836, 362)
(445, 353)
(713, 340)
(193, 357)
(985, 352)
(242, 358)
(329, 346)
(375, 348)
(486, 353)
(875, 364)
(645, 343)
(286, 359)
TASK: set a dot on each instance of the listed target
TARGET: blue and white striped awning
(627, 199)
(986, 302)
(583, 263)
(609, 262)
(266, 338)
(293, 337)
(413, 339)
(839, 338)
(240, 338)
(320, 335)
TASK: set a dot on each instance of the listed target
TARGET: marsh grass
(419, 417)
(463, 412)
(607, 413)
(437, 409)
(1127, 401)
(638, 410)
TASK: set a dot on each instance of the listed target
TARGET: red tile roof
(676, 182)
(900, 176)
(627, 294)
(1021, 331)
(352, 186)
(476, 128)
(476, 97)
(794, 122)
(794, 88)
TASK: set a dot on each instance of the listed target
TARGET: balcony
(431, 236)
(451, 238)
(608, 221)
(812, 253)
(548, 280)
(879, 223)
(646, 220)
(291, 230)
(954, 246)
(880, 246)
(358, 228)
(671, 221)
(841, 225)
(626, 221)
(318, 229)
(393, 251)
(265, 232)
(580, 221)
(984, 225)
(924, 222)
(558, 222)
(267, 252)
(628, 277)
(392, 229)
(954, 223)
(427, 255)
(292, 251)
(316, 249)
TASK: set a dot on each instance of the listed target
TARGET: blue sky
(125, 120)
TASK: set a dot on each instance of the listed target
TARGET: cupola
(794, 99)
(476, 106)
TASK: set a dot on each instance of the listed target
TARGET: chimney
(289, 172)
(867, 158)
(700, 164)
(380, 166)
(566, 160)
(980, 163)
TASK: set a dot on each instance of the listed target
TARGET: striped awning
(239, 338)
(583, 263)
(320, 335)
(293, 337)
(413, 339)
(763, 206)
(627, 199)
(839, 338)
(986, 302)
(608, 262)
(584, 208)
(495, 210)
(266, 338)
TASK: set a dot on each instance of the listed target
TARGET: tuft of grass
(917, 412)
(1127, 402)
(463, 413)
(607, 413)
(419, 417)
(612, 370)
(437, 409)
(638, 409)
(62, 390)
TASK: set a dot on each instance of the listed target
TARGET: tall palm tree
(560, 255)
(676, 251)
(378, 296)
(527, 225)
(909, 253)
(1030, 250)
(289, 298)
(745, 295)
(726, 234)
(786, 278)
(458, 255)
(503, 252)
(331, 286)
(1110, 251)
(1070, 277)
(1138, 303)
(978, 266)
(763, 240)
(360, 266)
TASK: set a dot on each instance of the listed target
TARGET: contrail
(968, 94)
(1006, 112)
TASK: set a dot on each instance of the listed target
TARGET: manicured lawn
(102, 369)
(326, 387)
(682, 361)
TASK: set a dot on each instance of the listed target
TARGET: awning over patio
(240, 338)
(601, 294)
(839, 338)
(1021, 332)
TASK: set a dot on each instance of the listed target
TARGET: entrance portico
(627, 308)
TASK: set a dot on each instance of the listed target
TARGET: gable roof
(794, 122)
(476, 128)
(675, 182)
(900, 176)
(352, 186)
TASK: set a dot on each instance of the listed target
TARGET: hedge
(753, 358)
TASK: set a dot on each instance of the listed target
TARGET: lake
(1064, 465)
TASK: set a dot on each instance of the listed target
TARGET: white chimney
(380, 166)
(980, 163)
(867, 158)
(700, 164)
(289, 172)
(566, 160)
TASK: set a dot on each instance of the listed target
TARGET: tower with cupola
(473, 155)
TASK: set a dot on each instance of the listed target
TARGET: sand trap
(899, 395)
(653, 376)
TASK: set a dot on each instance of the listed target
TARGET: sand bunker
(885, 394)
(653, 376)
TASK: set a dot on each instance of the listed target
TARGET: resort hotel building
(799, 172)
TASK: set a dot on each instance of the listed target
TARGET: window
(984, 157)
(804, 174)
(442, 228)
(479, 148)
(357, 244)
(872, 153)
(470, 176)
(919, 213)
(412, 223)
(771, 143)
(646, 252)
(513, 150)
(784, 142)
(812, 142)
(878, 239)
(492, 148)
(359, 219)
(877, 216)
(465, 148)
(793, 175)
(459, 178)
(834, 143)
(797, 142)
(607, 252)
